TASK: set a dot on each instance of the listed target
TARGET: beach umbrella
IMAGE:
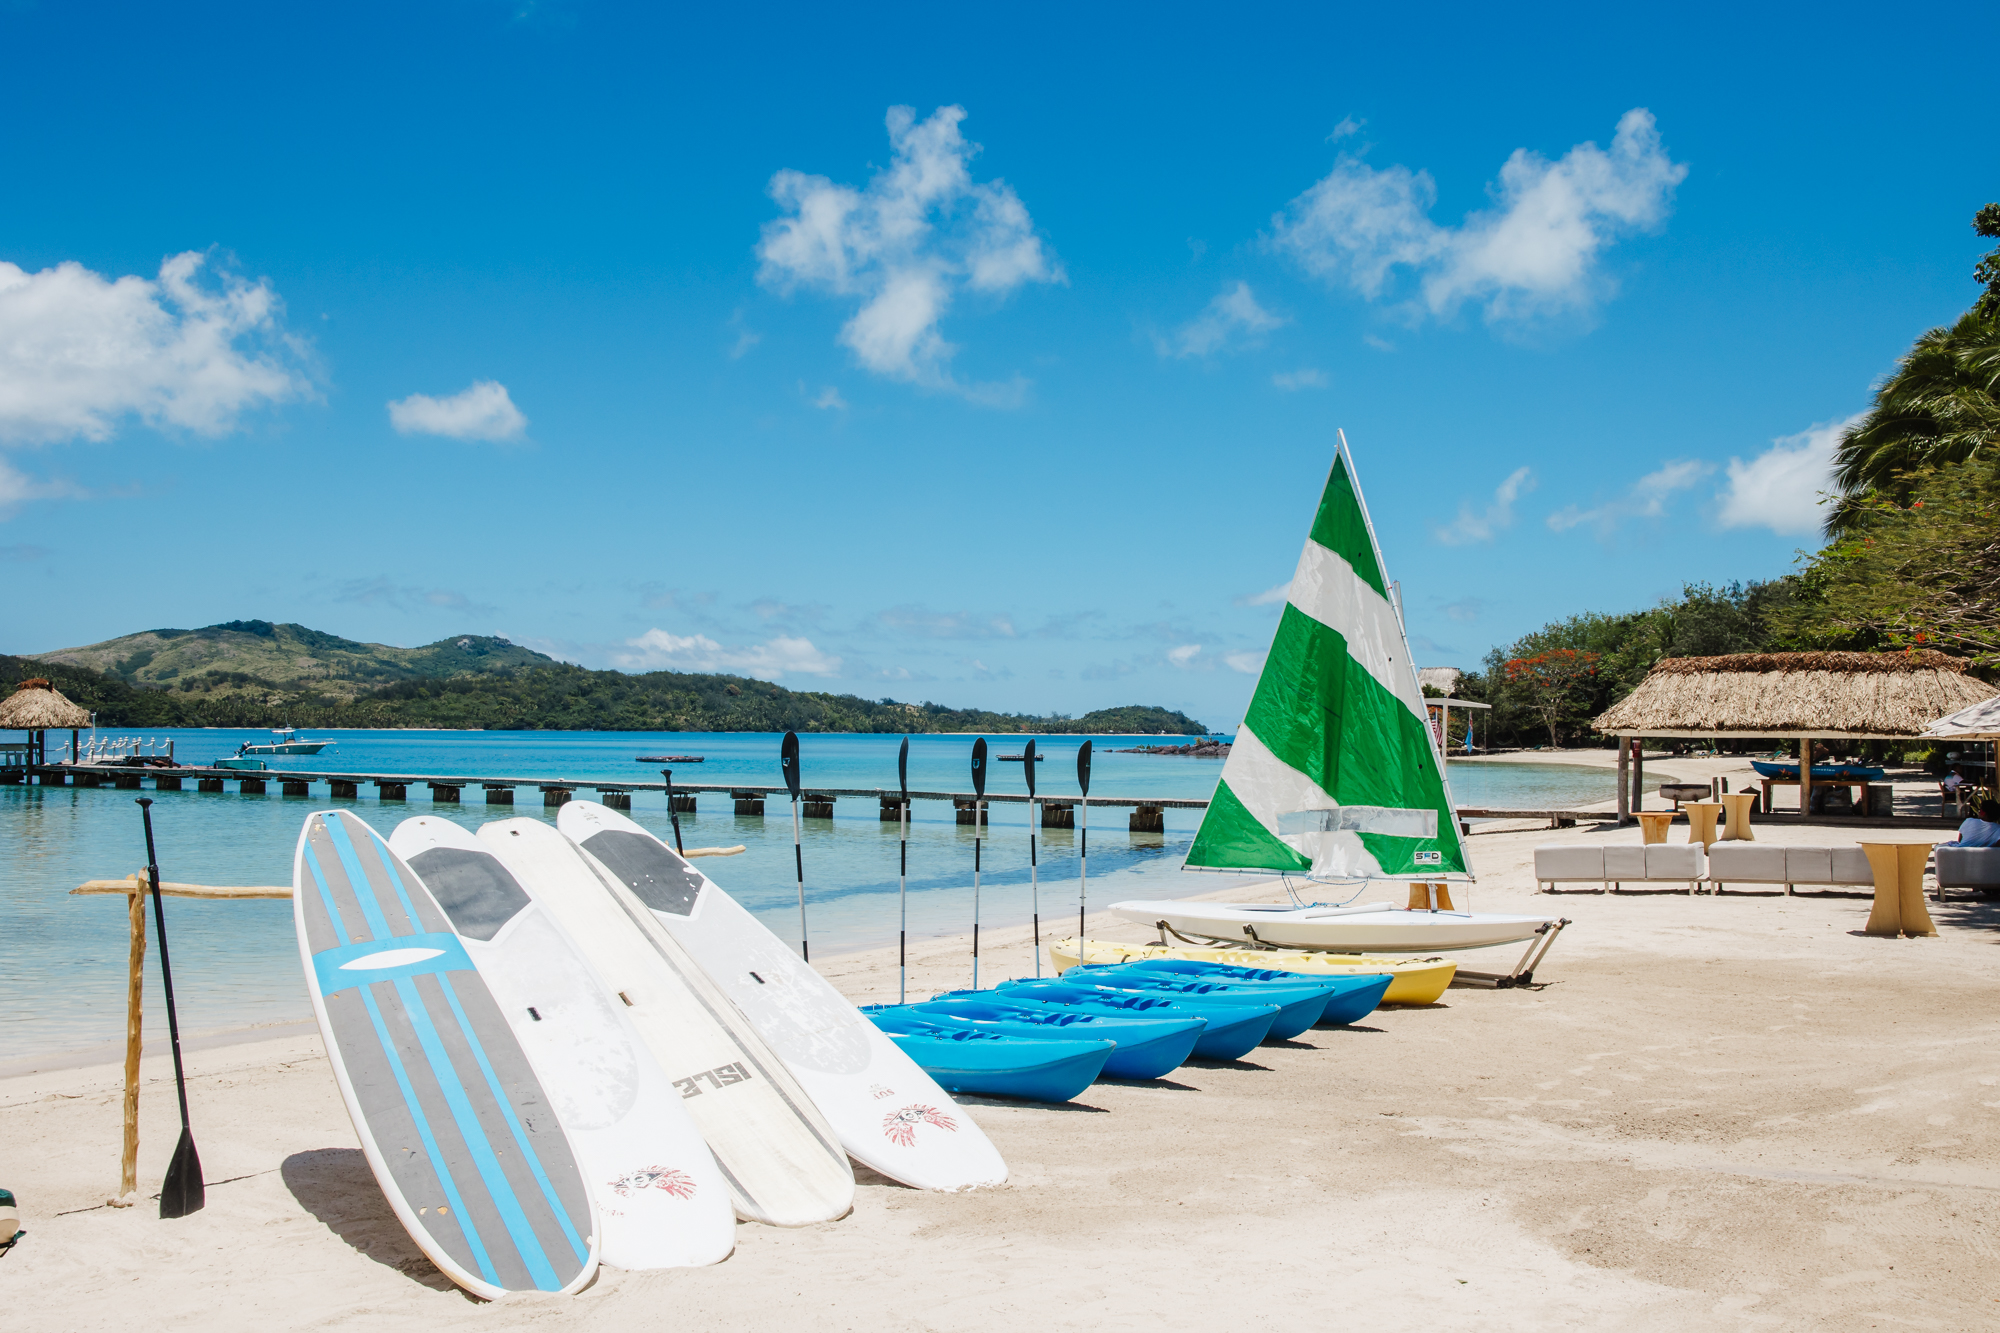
(182, 1192)
(1034, 884)
(788, 759)
(1082, 844)
(903, 875)
(978, 811)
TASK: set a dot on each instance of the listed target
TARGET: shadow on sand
(336, 1186)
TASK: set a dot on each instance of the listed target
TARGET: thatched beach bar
(1785, 697)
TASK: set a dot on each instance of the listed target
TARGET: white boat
(1364, 928)
(1336, 780)
(288, 742)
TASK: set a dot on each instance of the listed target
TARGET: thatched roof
(1981, 721)
(1788, 694)
(37, 705)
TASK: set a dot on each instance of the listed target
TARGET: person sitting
(1982, 830)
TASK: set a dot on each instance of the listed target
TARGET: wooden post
(1624, 781)
(1805, 776)
(135, 990)
(1638, 773)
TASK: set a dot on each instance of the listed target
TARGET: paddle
(1034, 885)
(182, 1192)
(978, 801)
(1082, 845)
(788, 759)
(672, 813)
(903, 876)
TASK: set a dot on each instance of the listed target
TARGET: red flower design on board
(677, 1183)
(901, 1126)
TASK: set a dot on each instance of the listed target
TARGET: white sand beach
(1727, 1112)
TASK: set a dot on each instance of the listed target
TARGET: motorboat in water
(288, 742)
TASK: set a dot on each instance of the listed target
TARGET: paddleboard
(1411, 980)
(890, 1114)
(1367, 927)
(782, 1161)
(661, 1201)
(460, 1132)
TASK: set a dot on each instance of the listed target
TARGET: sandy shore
(1730, 1112)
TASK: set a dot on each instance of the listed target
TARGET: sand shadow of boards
(336, 1186)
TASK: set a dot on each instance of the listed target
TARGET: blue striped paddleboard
(460, 1133)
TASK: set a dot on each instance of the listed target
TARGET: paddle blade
(979, 767)
(788, 758)
(183, 1192)
(903, 769)
(1083, 768)
(1028, 766)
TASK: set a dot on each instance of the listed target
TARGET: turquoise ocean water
(62, 958)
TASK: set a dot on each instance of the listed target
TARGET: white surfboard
(890, 1114)
(782, 1160)
(661, 1201)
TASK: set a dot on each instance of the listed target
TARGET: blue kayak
(1820, 772)
(1233, 1030)
(1300, 1003)
(1147, 1047)
(966, 1060)
(1353, 998)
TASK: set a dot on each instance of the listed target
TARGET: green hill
(251, 673)
(258, 658)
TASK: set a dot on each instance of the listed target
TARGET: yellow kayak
(1413, 980)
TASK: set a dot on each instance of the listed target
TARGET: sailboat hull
(1388, 929)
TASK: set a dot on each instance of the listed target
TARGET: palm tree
(1941, 406)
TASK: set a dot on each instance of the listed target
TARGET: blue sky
(986, 356)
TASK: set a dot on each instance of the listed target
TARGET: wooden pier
(1147, 813)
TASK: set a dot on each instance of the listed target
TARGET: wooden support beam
(297, 787)
(208, 784)
(444, 791)
(1148, 819)
(498, 795)
(343, 790)
(392, 791)
(251, 786)
(1058, 814)
(165, 783)
(622, 800)
(748, 802)
(552, 797)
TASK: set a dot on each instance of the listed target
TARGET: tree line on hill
(560, 697)
(1911, 558)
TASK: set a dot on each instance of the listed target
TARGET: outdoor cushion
(1809, 865)
(1968, 867)
(1670, 860)
(1568, 862)
(1622, 862)
(1850, 866)
(1747, 863)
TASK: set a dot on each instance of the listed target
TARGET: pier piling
(204, 784)
(678, 803)
(392, 791)
(344, 789)
(1058, 814)
(553, 797)
(498, 795)
(622, 800)
(443, 791)
(1148, 819)
(818, 805)
(296, 788)
(748, 802)
(128, 781)
(248, 786)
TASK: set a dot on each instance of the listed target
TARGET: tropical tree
(1554, 682)
(1940, 406)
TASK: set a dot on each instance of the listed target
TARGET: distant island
(253, 673)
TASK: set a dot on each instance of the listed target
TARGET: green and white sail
(1335, 771)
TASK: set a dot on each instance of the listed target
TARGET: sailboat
(1335, 782)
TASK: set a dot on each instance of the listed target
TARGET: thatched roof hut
(1835, 696)
(37, 705)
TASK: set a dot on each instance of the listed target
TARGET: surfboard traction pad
(460, 1128)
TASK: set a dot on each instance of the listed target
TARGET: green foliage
(1986, 222)
(556, 697)
(1923, 573)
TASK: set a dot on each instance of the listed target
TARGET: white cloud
(481, 412)
(1783, 488)
(1271, 596)
(1647, 499)
(1248, 663)
(79, 351)
(1465, 608)
(1232, 314)
(1469, 527)
(919, 233)
(18, 488)
(657, 650)
(1184, 655)
(1293, 380)
(931, 624)
(1534, 252)
(830, 400)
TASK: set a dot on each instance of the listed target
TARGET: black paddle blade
(1083, 768)
(903, 769)
(1028, 765)
(788, 758)
(183, 1192)
(979, 767)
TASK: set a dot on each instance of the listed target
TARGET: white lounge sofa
(1620, 863)
(1822, 867)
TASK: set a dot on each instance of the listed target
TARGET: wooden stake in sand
(134, 887)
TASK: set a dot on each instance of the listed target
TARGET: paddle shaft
(673, 814)
(166, 971)
(978, 811)
(903, 906)
(1082, 870)
(799, 863)
(1034, 888)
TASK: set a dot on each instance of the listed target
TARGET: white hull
(890, 1115)
(661, 1201)
(783, 1162)
(1369, 928)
